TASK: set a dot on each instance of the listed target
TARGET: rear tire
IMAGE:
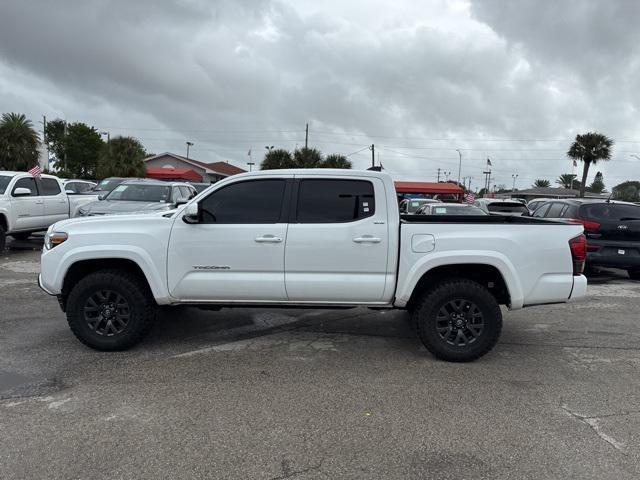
(634, 273)
(21, 236)
(458, 321)
(3, 238)
(110, 310)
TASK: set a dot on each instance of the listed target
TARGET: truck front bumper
(42, 286)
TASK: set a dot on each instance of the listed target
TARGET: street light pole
(251, 164)
(459, 164)
(514, 176)
(189, 144)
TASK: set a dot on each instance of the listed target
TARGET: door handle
(39, 202)
(268, 239)
(367, 239)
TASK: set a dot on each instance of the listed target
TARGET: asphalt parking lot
(303, 394)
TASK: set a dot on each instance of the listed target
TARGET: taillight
(578, 246)
(588, 225)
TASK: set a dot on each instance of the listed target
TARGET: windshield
(507, 207)
(108, 184)
(140, 193)
(456, 210)
(610, 211)
(4, 181)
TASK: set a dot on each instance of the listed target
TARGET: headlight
(54, 239)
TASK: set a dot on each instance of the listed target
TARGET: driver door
(236, 250)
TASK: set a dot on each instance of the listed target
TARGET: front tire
(110, 310)
(634, 273)
(458, 321)
(3, 238)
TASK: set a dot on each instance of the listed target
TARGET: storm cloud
(513, 81)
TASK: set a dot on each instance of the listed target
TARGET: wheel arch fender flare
(152, 274)
(418, 270)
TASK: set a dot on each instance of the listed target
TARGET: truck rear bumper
(579, 290)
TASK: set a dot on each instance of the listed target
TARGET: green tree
(82, 145)
(75, 148)
(277, 159)
(307, 158)
(18, 142)
(590, 148)
(541, 183)
(597, 186)
(121, 157)
(628, 191)
(336, 160)
(566, 180)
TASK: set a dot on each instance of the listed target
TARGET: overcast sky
(513, 81)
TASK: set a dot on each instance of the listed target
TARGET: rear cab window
(334, 201)
(498, 207)
(4, 183)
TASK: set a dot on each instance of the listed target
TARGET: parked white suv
(310, 238)
(29, 204)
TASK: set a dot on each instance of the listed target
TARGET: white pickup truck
(29, 204)
(312, 238)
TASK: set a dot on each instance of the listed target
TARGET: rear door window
(334, 201)
(50, 186)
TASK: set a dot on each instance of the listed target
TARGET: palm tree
(18, 142)
(541, 183)
(307, 158)
(566, 180)
(276, 159)
(336, 160)
(590, 148)
(121, 157)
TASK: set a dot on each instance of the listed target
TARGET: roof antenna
(609, 199)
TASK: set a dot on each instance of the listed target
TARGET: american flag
(36, 171)
(469, 198)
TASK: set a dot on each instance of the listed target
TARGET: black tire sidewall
(3, 238)
(425, 317)
(120, 284)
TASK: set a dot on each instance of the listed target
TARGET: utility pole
(459, 164)
(251, 164)
(373, 155)
(189, 144)
(514, 176)
(306, 136)
(44, 137)
(438, 175)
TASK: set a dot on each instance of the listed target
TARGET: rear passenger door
(56, 203)
(337, 241)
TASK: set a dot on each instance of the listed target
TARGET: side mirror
(102, 196)
(22, 192)
(191, 213)
(181, 201)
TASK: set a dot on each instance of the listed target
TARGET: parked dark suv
(612, 230)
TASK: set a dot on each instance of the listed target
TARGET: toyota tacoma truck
(310, 238)
(30, 204)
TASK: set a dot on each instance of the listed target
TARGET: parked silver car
(139, 196)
